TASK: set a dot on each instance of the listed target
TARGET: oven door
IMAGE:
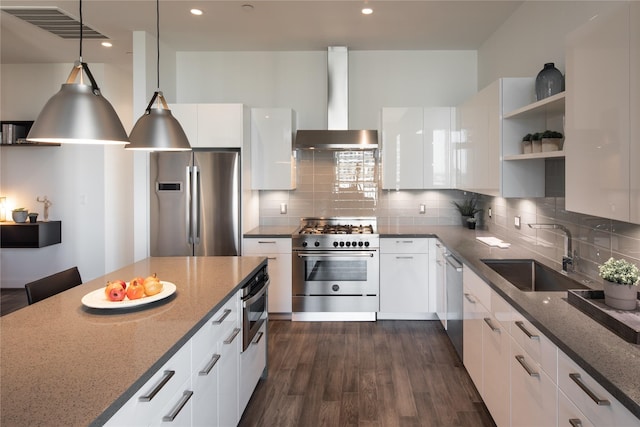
(336, 273)
(254, 312)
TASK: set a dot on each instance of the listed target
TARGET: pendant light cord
(81, 30)
(158, 43)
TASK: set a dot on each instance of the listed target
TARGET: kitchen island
(65, 364)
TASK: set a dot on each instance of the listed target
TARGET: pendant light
(157, 129)
(78, 113)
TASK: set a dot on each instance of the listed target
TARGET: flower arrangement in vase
(621, 283)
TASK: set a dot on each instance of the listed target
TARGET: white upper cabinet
(416, 148)
(599, 101)
(478, 152)
(272, 161)
(213, 125)
(489, 157)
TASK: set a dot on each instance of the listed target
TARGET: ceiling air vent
(55, 21)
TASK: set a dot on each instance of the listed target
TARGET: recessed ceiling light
(106, 44)
(247, 7)
(367, 11)
(196, 12)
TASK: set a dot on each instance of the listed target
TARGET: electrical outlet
(516, 221)
(423, 208)
(490, 212)
(283, 208)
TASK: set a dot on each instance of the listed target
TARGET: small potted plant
(467, 209)
(19, 214)
(536, 142)
(620, 281)
(552, 141)
(526, 144)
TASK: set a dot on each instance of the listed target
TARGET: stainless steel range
(336, 269)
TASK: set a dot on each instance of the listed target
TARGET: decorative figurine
(47, 203)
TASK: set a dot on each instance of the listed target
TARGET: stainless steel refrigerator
(195, 203)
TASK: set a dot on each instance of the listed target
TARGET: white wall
(533, 35)
(88, 185)
(298, 80)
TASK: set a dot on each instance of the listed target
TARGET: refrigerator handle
(188, 206)
(195, 205)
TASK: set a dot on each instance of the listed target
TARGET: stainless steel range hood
(337, 136)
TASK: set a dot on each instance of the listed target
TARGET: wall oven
(336, 269)
(254, 306)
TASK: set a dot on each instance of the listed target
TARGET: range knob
(354, 244)
(335, 244)
(335, 288)
(366, 244)
(348, 243)
(341, 244)
(304, 244)
(316, 244)
(360, 243)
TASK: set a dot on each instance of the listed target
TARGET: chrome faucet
(567, 259)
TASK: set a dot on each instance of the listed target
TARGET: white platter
(98, 299)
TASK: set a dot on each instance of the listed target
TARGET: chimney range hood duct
(338, 136)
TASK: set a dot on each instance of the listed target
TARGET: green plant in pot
(526, 143)
(468, 208)
(621, 283)
(536, 142)
(551, 140)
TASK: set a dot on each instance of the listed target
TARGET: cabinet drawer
(404, 245)
(569, 414)
(585, 393)
(252, 363)
(501, 311)
(534, 394)
(476, 287)
(157, 393)
(541, 349)
(266, 245)
(217, 328)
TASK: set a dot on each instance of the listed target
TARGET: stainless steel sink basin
(530, 276)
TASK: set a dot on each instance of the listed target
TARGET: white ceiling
(271, 25)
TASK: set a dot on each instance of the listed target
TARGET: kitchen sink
(530, 276)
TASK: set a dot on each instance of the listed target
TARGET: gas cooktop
(338, 226)
(346, 233)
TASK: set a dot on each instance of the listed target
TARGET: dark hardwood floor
(12, 300)
(386, 373)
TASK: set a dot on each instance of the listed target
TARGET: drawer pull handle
(258, 338)
(176, 410)
(575, 422)
(404, 257)
(520, 324)
(404, 241)
(526, 367)
(272, 258)
(490, 323)
(233, 336)
(578, 380)
(267, 241)
(469, 298)
(165, 379)
(221, 319)
(210, 365)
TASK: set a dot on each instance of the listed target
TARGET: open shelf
(532, 156)
(551, 105)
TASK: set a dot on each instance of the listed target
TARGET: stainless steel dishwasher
(454, 301)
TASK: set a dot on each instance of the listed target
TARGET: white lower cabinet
(200, 384)
(404, 278)
(473, 313)
(252, 365)
(598, 406)
(278, 254)
(534, 395)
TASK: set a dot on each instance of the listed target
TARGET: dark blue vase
(549, 81)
